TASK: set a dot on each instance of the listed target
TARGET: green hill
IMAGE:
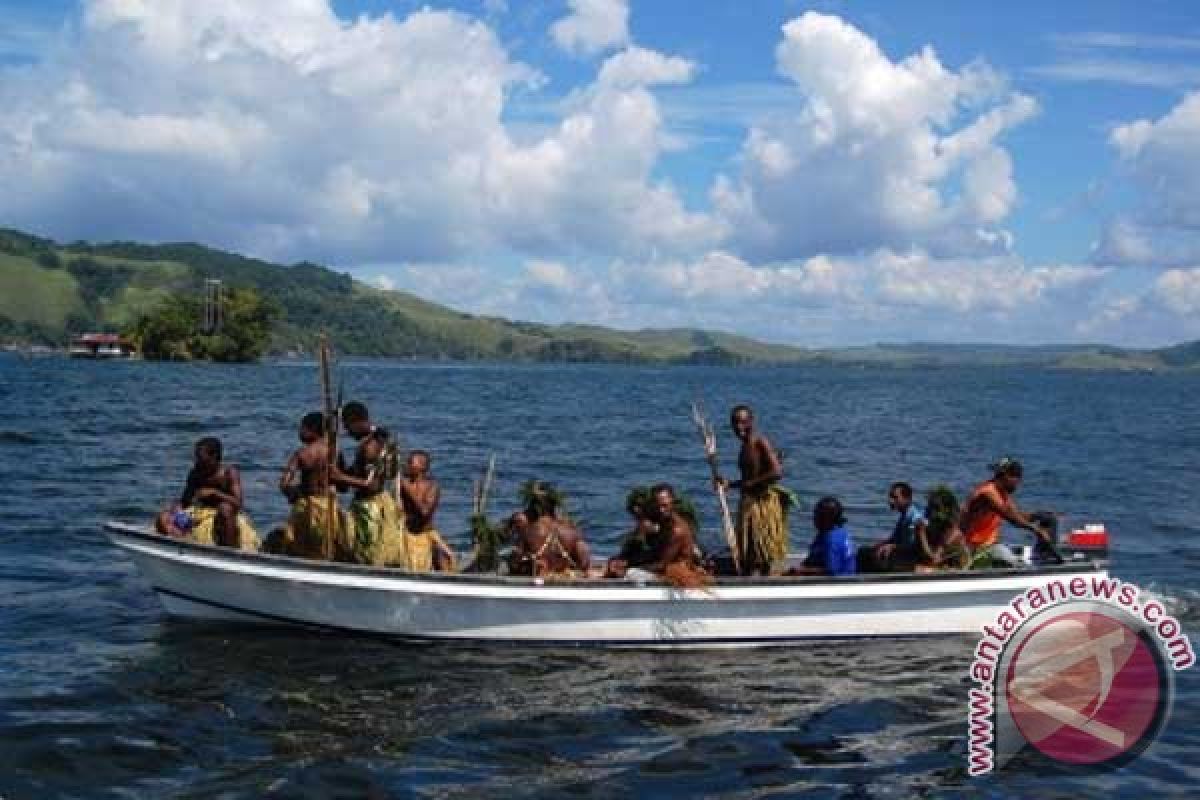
(84, 286)
(50, 290)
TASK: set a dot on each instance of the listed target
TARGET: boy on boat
(315, 522)
(832, 551)
(988, 507)
(762, 535)
(210, 509)
(550, 546)
(373, 528)
(424, 550)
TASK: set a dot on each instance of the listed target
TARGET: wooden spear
(710, 454)
(332, 418)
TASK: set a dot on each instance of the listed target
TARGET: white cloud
(637, 66)
(1162, 160)
(883, 296)
(1178, 290)
(287, 132)
(592, 26)
(868, 154)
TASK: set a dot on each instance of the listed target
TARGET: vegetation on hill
(49, 291)
(172, 330)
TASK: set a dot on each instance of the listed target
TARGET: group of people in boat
(390, 520)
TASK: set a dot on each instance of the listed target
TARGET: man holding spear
(762, 534)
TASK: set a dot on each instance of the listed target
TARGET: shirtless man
(762, 534)
(311, 461)
(549, 545)
(989, 506)
(419, 496)
(678, 538)
(209, 510)
(314, 524)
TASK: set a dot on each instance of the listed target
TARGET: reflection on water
(101, 696)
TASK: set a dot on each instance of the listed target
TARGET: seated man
(210, 509)
(940, 542)
(988, 507)
(548, 546)
(676, 557)
(641, 545)
(898, 553)
(832, 551)
(314, 524)
(424, 549)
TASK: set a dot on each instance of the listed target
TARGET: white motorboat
(214, 583)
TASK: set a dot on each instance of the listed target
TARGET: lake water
(102, 696)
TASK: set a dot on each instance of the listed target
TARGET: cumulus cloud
(288, 132)
(1161, 158)
(1179, 291)
(592, 26)
(874, 153)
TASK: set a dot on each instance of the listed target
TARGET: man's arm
(189, 490)
(289, 473)
(1014, 516)
(422, 499)
(772, 473)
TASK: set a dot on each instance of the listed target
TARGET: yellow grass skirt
(204, 528)
(372, 532)
(308, 533)
(417, 552)
(762, 531)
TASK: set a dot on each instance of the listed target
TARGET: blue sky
(816, 173)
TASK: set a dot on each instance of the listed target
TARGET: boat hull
(203, 582)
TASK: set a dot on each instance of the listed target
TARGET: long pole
(331, 411)
(710, 454)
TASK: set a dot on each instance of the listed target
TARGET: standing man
(989, 505)
(899, 551)
(419, 495)
(373, 527)
(314, 522)
(762, 533)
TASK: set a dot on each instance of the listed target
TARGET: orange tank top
(981, 522)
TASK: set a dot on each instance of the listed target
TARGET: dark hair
(1007, 467)
(941, 498)
(741, 407)
(663, 487)
(210, 445)
(313, 421)
(639, 497)
(903, 488)
(540, 499)
(354, 412)
(829, 508)
(423, 454)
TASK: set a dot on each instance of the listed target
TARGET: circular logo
(1085, 687)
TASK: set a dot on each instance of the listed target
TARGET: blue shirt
(833, 552)
(904, 535)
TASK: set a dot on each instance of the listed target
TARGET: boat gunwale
(138, 532)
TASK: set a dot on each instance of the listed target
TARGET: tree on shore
(173, 331)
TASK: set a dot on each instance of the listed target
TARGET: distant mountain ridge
(49, 290)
